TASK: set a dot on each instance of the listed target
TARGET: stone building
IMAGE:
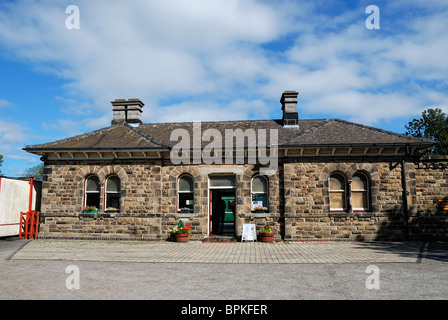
(310, 179)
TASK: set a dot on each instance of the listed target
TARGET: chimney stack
(289, 107)
(127, 111)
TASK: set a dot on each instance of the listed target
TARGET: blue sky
(193, 60)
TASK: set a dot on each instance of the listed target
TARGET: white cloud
(366, 108)
(208, 111)
(4, 103)
(22, 157)
(11, 132)
(215, 55)
(155, 48)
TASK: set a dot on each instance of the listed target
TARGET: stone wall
(148, 200)
(428, 184)
(299, 206)
(307, 208)
(63, 198)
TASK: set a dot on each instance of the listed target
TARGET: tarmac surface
(196, 271)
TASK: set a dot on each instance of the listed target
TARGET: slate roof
(113, 137)
(339, 132)
(156, 136)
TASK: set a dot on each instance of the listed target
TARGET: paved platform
(198, 252)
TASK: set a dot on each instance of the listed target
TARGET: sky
(198, 60)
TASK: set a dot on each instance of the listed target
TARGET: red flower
(188, 226)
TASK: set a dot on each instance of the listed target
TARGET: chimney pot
(289, 107)
(127, 111)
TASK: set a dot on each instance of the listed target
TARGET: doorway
(222, 206)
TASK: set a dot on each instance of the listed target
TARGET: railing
(29, 224)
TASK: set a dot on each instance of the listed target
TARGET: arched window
(185, 194)
(112, 193)
(360, 192)
(338, 191)
(259, 190)
(92, 192)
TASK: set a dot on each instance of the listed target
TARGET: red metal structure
(29, 221)
(29, 224)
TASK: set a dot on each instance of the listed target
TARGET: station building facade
(311, 179)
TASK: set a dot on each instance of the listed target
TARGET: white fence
(17, 195)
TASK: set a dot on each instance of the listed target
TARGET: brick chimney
(129, 111)
(289, 107)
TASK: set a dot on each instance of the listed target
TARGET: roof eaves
(356, 145)
(114, 149)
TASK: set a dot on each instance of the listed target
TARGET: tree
(432, 125)
(1, 162)
(36, 172)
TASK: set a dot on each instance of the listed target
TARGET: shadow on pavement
(437, 251)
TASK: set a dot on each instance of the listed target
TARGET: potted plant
(111, 210)
(259, 209)
(90, 209)
(266, 233)
(180, 232)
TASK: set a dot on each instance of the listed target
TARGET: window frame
(343, 191)
(266, 193)
(178, 192)
(86, 192)
(365, 191)
(106, 192)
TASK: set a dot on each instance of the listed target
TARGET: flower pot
(266, 237)
(180, 237)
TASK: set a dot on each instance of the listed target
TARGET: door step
(219, 239)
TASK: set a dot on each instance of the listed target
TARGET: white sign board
(249, 232)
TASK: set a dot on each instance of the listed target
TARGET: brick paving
(198, 252)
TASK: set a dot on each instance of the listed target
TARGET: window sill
(184, 215)
(98, 214)
(259, 215)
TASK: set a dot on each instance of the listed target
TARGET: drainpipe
(405, 194)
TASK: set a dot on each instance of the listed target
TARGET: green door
(230, 208)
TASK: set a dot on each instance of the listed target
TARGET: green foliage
(432, 125)
(181, 227)
(1, 162)
(267, 229)
(36, 172)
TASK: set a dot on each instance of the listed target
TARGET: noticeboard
(249, 232)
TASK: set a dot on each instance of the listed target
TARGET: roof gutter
(352, 145)
(36, 150)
